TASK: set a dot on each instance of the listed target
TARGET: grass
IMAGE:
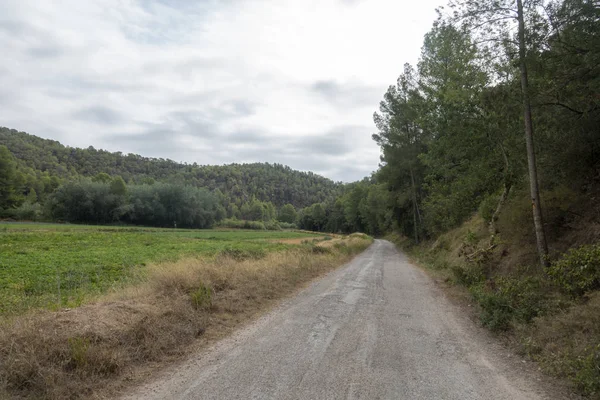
(54, 265)
(567, 344)
(90, 351)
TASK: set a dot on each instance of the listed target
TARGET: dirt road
(378, 328)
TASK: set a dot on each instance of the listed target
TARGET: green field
(53, 265)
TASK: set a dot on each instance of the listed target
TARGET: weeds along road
(377, 328)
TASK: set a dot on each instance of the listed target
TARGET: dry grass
(90, 351)
(513, 295)
(568, 344)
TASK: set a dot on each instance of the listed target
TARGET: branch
(501, 40)
(491, 21)
(471, 257)
(564, 106)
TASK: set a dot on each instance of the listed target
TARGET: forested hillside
(452, 129)
(491, 168)
(46, 162)
(44, 180)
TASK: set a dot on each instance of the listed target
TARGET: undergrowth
(553, 314)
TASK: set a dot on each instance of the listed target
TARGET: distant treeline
(44, 164)
(28, 194)
(43, 180)
(109, 200)
(35, 195)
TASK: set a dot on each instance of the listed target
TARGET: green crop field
(53, 265)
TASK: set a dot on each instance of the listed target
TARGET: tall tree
(536, 204)
(401, 139)
(461, 165)
(9, 195)
(288, 214)
(495, 20)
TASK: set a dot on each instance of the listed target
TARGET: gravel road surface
(377, 328)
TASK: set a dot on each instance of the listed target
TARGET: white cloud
(209, 82)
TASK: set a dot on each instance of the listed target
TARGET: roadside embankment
(551, 316)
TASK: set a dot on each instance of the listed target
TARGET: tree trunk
(505, 192)
(542, 245)
(501, 201)
(414, 198)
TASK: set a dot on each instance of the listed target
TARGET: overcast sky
(293, 82)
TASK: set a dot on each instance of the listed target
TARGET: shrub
(316, 249)
(496, 312)
(26, 212)
(359, 235)
(286, 225)
(587, 371)
(255, 225)
(273, 225)
(245, 254)
(343, 247)
(79, 348)
(557, 204)
(202, 297)
(467, 275)
(242, 224)
(508, 299)
(578, 271)
(488, 205)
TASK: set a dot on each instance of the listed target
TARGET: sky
(293, 82)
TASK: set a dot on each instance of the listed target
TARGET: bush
(273, 225)
(496, 312)
(242, 224)
(320, 250)
(342, 247)
(488, 206)
(507, 299)
(359, 235)
(314, 248)
(587, 371)
(202, 297)
(467, 275)
(578, 271)
(241, 255)
(28, 212)
(286, 225)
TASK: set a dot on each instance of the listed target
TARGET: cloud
(210, 82)
(45, 52)
(99, 115)
(347, 95)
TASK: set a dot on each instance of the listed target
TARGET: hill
(45, 163)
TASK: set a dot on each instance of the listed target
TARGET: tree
(401, 139)
(536, 204)
(288, 214)
(31, 197)
(461, 165)
(319, 216)
(498, 15)
(102, 177)
(118, 186)
(9, 195)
